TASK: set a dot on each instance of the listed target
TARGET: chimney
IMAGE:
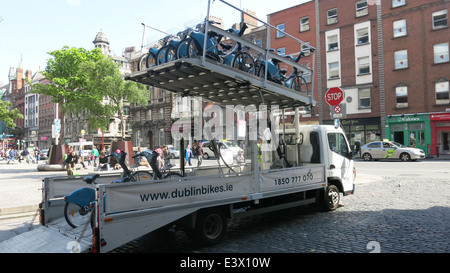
(28, 75)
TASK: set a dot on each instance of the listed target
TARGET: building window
(364, 98)
(399, 28)
(440, 19)
(442, 92)
(333, 43)
(305, 48)
(363, 65)
(362, 36)
(401, 94)
(280, 27)
(281, 51)
(304, 24)
(332, 17)
(401, 59)
(398, 3)
(362, 8)
(333, 70)
(441, 53)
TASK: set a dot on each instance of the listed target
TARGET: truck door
(340, 160)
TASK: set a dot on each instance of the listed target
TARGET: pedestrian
(12, 155)
(89, 159)
(199, 154)
(37, 154)
(94, 154)
(166, 156)
(188, 155)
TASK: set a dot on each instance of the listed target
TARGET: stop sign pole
(334, 96)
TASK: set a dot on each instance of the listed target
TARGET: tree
(103, 78)
(8, 115)
(67, 85)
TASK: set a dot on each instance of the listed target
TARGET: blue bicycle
(80, 204)
(294, 81)
(221, 52)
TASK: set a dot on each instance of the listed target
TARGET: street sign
(338, 111)
(334, 96)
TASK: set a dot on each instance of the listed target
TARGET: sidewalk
(21, 186)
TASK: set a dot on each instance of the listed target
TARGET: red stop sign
(334, 96)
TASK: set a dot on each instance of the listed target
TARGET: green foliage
(86, 81)
(8, 115)
(67, 84)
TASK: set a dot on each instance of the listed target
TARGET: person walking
(12, 155)
(94, 154)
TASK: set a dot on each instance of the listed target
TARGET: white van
(87, 147)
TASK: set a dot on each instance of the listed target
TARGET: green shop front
(410, 130)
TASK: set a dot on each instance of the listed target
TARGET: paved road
(391, 215)
(398, 207)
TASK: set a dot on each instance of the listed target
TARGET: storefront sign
(440, 116)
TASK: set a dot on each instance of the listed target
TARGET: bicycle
(80, 204)
(235, 56)
(294, 81)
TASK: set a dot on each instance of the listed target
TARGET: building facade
(391, 59)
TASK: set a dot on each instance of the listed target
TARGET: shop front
(360, 131)
(410, 130)
(440, 133)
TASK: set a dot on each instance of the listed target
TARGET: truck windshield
(338, 144)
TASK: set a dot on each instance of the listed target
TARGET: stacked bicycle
(80, 204)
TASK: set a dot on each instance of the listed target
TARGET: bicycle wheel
(76, 216)
(161, 55)
(172, 175)
(151, 60)
(142, 64)
(299, 84)
(244, 62)
(181, 50)
(171, 53)
(138, 176)
(194, 50)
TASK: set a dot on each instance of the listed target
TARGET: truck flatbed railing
(218, 83)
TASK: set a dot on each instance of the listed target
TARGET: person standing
(188, 155)
(94, 154)
(199, 154)
(37, 154)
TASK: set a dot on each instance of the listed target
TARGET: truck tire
(210, 227)
(331, 198)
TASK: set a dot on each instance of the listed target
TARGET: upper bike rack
(223, 84)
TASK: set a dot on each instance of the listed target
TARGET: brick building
(416, 39)
(391, 58)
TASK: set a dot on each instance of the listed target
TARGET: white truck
(312, 165)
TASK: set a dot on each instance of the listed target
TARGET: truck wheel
(210, 227)
(331, 198)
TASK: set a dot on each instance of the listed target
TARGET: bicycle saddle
(226, 46)
(90, 179)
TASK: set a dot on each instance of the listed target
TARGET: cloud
(73, 2)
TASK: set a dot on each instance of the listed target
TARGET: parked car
(44, 154)
(222, 144)
(390, 149)
(174, 152)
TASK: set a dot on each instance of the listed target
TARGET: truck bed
(58, 237)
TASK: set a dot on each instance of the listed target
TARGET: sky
(31, 28)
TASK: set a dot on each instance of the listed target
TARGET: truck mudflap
(44, 240)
